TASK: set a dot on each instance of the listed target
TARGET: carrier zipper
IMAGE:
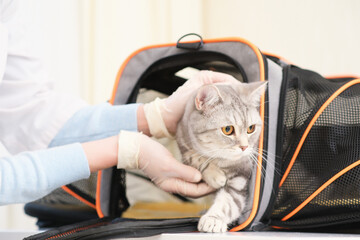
(75, 230)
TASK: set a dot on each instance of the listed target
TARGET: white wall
(121, 27)
(85, 41)
(322, 35)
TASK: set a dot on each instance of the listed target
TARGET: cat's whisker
(204, 164)
(268, 163)
(265, 155)
(265, 102)
(255, 159)
(210, 157)
(205, 153)
(263, 169)
(208, 160)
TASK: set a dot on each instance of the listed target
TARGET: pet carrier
(307, 174)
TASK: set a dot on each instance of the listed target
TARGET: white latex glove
(138, 151)
(163, 115)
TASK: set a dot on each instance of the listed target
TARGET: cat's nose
(243, 147)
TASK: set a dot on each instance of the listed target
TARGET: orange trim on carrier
(278, 57)
(320, 189)
(312, 122)
(98, 192)
(69, 191)
(261, 142)
(341, 76)
(122, 67)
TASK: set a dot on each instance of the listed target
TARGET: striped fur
(224, 162)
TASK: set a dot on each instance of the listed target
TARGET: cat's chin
(238, 155)
(232, 161)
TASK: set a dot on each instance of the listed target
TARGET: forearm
(142, 123)
(102, 153)
(31, 175)
(97, 122)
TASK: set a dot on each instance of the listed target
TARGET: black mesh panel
(332, 144)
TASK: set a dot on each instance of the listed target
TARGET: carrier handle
(190, 45)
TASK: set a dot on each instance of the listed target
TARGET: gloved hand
(138, 151)
(163, 115)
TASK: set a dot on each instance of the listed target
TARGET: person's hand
(163, 115)
(138, 151)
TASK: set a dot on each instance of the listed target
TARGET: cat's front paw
(214, 177)
(211, 224)
(217, 182)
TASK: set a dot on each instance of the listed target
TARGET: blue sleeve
(97, 122)
(31, 175)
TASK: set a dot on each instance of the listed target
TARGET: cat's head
(225, 121)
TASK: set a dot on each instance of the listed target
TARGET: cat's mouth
(238, 153)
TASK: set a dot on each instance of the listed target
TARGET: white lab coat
(31, 113)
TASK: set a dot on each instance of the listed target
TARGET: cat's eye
(251, 129)
(227, 130)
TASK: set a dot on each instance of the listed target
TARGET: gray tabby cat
(219, 136)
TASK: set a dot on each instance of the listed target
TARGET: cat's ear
(207, 96)
(256, 89)
(252, 91)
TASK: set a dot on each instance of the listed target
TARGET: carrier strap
(196, 45)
